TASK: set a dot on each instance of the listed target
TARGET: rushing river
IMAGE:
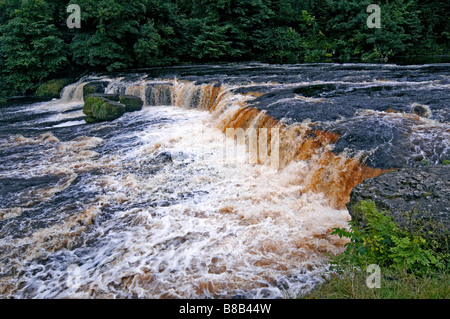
(150, 206)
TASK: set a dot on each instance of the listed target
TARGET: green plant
(31, 46)
(446, 162)
(412, 254)
(381, 241)
(394, 285)
(425, 162)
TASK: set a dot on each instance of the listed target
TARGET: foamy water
(197, 227)
(151, 206)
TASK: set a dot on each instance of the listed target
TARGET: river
(152, 206)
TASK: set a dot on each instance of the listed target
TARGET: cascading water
(73, 93)
(149, 205)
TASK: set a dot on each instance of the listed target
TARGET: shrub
(425, 162)
(384, 243)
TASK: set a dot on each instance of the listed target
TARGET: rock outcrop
(108, 107)
(51, 89)
(132, 103)
(416, 198)
(94, 87)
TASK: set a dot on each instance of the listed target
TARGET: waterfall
(73, 92)
(222, 186)
(331, 174)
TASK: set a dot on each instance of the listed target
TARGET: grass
(398, 285)
(411, 267)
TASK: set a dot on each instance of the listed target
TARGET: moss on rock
(98, 108)
(108, 107)
(51, 89)
(111, 97)
(132, 103)
(94, 87)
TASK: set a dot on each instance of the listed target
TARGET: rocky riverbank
(417, 199)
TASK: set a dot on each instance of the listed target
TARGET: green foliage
(425, 162)
(400, 26)
(382, 242)
(285, 46)
(112, 27)
(3, 88)
(446, 162)
(413, 254)
(31, 47)
(394, 285)
(212, 43)
(147, 47)
(36, 45)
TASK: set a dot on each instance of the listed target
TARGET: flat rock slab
(416, 198)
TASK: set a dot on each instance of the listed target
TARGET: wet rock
(316, 91)
(421, 110)
(98, 108)
(111, 97)
(416, 198)
(94, 87)
(159, 94)
(384, 141)
(132, 103)
(108, 107)
(51, 89)
(164, 157)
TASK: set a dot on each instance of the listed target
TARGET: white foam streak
(227, 228)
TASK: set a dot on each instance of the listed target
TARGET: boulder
(94, 87)
(111, 97)
(51, 89)
(417, 199)
(132, 103)
(108, 107)
(98, 108)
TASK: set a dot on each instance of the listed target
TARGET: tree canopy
(36, 44)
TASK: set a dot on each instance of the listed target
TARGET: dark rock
(111, 97)
(421, 110)
(159, 94)
(51, 89)
(94, 87)
(132, 103)
(98, 108)
(164, 157)
(416, 198)
(108, 107)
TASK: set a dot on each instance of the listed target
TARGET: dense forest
(36, 43)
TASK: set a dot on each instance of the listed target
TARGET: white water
(147, 206)
(199, 227)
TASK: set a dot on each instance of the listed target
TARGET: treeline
(36, 43)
